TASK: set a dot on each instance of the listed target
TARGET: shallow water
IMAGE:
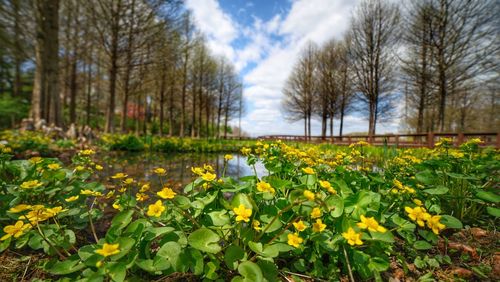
(178, 165)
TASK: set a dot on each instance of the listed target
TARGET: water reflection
(140, 165)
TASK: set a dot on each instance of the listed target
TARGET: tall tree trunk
(171, 110)
(113, 70)
(48, 48)
(183, 94)
(128, 71)
(17, 89)
(162, 97)
(37, 100)
(89, 87)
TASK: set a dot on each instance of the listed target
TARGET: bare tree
(374, 36)
(301, 90)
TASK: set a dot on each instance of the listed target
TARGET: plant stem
(348, 265)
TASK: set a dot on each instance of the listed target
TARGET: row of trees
(120, 65)
(438, 56)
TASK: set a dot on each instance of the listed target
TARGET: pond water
(178, 165)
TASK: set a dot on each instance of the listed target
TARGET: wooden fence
(398, 140)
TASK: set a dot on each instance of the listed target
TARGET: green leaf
(493, 211)
(243, 199)
(269, 270)
(219, 218)
(273, 227)
(425, 177)
(153, 266)
(403, 223)
(70, 265)
(488, 196)
(336, 203)
(451, 222)
(122, 219)
(5, 244)
(422, 245)
(250, 271)
(378, 264)
(205, 240)
(384, 237)
(117, 271)
(232, 255)
(440, 190)
(171, 251)
(126, 244)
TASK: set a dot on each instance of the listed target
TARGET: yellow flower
(141, 197)
(72, 198)
(88, 192)
(117, 206)
(228, 157)
(79, 168)
(54, 166)
(418, 214)
(246, 151)
(160, 171)
(166, 193)
(144, 188)
(110, 194)
(308, 170)
(208, 168)
(128, 181)
(325, 184)
(315, 213)
(37, 215)
(397, 183)
(299, 225)
(54, 211)
(119, 175)
(109, 250)
(156, 209)
(15, 230)
(205, 186)
(318, 226)
(332, 191)
(31, 184)
(19, 208)
(434, 224)
(98, 167)
(371, 224)
(6, 150)
(208, 176)
(263, 186)
(309, 195)
(256, 225)
(197, 170)
(36, 160)
(417, 202)
(242, 213)
(294, 240)
(352, 237)
(87, 152)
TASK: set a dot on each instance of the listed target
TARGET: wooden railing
(398, 140)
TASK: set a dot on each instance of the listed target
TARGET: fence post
(460, 138)
(430, 140)
(498, 140)
(397, 141)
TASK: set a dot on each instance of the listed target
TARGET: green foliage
(319, 213)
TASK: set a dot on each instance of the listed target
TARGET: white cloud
(217, 25)
(314, 20)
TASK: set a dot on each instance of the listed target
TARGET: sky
(263, 39)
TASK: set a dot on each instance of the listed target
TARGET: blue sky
(263, 38)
